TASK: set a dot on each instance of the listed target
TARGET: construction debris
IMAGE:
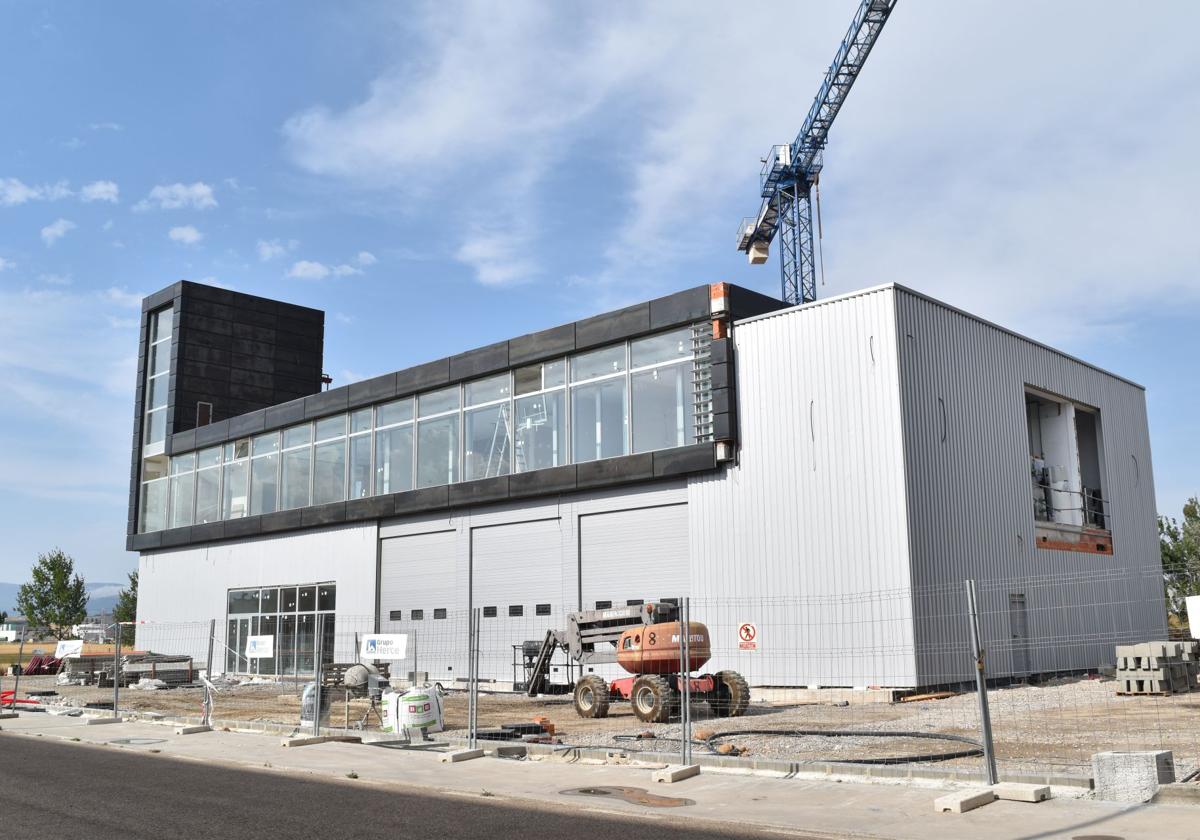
(1161, 668)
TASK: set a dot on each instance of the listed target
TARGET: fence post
(472, 676)
(117, 674)
(318, 654)
(985, 717)
(12, 704)
(685, 653)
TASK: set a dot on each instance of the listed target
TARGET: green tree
(55, 597)
(126, 608)
(1180, 545)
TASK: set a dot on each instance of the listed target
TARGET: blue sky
(439, 176)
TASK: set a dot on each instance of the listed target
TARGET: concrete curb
(676, 773)
(1178, 793)
(319, 739)
(456, 756)
(191, 730)
(100, 721)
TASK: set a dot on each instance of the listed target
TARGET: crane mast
(790, 172)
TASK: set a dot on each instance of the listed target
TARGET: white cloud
(197, 196)
(121, 297)
(72, 144)
(365, 258)
(185, 234)
(56, 279)
(56, 230)
(105, 126)
(107, 225)
(343, 318)
(270, 249)
(14, 192)
(100, 191)
(498, 258)
(308, 270)
(344, 270)
(6, 264)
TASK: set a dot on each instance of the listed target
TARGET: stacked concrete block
(1191, 659)
(1155, 668)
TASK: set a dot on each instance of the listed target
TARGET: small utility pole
(985, 717)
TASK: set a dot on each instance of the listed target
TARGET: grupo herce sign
(384, 646)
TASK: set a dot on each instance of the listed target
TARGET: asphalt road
(51, 790)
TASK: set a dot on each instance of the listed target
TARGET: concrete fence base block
(509, 751)
(676, 773)
(962, 801)
(191, 730)
(1132, 776)
(319, 739)
(1015, 792)
(455, 756)
(8, 715)
(100, 721)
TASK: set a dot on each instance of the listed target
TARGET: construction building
(714, 443)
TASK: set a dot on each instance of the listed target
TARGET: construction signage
(747, 636)
(385, 646)
(260, 647)
(69, 650)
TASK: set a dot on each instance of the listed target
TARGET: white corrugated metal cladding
(884, 452)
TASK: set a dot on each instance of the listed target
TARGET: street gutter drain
(633, 795)
(138, 742)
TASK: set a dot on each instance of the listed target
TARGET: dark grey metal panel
(141, 542)
(427, 498)
(326, 402)
(372, 507)
(248, 526)
(684, 307)
(323, 514)
(208, 532)
(422, 377)
(613, 326)
(685, 459)
(284, 520)
(610, 471)
(248, 424)
(378, 389)
(286, 414)
(746, 303)
(476, 492)
(546, 344)
(542, 482)
(480, 362)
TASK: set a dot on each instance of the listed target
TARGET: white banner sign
(67, 650)
(384, 646)
(260, 647)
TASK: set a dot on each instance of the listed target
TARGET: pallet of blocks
(1154, 668)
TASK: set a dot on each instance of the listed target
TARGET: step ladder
(541, 666)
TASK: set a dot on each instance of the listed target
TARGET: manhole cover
(138, 742)
(637, 796)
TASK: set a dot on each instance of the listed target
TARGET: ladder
(497, 455)
(702, 410)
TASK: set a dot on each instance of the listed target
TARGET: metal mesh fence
(1074, 665)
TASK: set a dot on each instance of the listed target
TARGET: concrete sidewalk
(823, 808)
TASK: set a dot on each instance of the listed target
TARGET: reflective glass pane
(208, 496)
(241, 448)
(269, 601)
(287, 599)
(331, 427)
(326, 596)
(486, 442)
(265, 665)
(533, 378)
(266, 444)
(666, 347)
(286, 649)
(663, 414)
(154, 467)
(243, 601)
(487, 390)
(598, 363)
(233, 502)
(160, 358)
(360, 466)
(554, 373)
(436, 402)
(264, 484)
(208, 457)
(297, 436)
(541, 432)
(329, 473)
(183, 488)
(360, 421)
(162, 324)
(394, 412)
(306, 626)
(296, 475)
(157, 397)
(393, 460)
(154, 506)
(308, 599)
(156, 426)
(183, 463)
(599, 420)
(437, 451)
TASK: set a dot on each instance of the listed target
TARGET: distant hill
(102, 597)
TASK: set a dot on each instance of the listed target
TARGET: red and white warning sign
(747, 636)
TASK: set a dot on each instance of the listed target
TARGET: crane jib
(790, 171)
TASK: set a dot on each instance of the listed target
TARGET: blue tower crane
(791, 172)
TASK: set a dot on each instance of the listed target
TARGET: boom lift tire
(731, 695)
(651, 698)
(591, 697)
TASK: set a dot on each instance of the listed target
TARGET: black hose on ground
(710, 742)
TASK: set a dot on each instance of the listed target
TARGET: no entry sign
(747, 636)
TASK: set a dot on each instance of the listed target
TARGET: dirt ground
(1051, 728)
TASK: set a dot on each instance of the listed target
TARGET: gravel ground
(1051, 728)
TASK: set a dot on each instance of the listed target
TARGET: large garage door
(418, 595)
(517, 581)
(633, 555)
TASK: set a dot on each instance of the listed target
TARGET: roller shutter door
(639, 554)
(517, 569)
(417, 572)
